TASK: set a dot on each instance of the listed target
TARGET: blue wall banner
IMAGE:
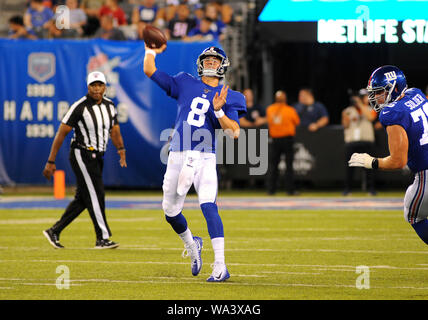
(41, 79)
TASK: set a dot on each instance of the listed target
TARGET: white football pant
(205, 181)
(416, 199)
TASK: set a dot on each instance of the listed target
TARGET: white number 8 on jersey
(198, 111)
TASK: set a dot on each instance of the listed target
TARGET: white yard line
(153, 248)
(52, 220)
(285, 272)
(231, 264)
(161, 280)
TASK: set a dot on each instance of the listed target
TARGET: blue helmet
(388, 80)
(210, 52)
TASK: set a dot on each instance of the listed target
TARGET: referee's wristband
(219, 113)
(375, 163)
(151, 51)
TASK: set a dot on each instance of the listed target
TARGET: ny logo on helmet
(390, 76)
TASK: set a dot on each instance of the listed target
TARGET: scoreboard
(347, 21)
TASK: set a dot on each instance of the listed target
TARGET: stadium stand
(8, 9)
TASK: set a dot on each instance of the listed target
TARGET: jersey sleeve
(232, 114)
(238, 104)
(73, 115)
(114, 119)
(237, 108)
(389, 117)
(170, 84)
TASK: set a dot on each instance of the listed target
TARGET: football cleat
(53, 239)
(219, 274)
(194, 252)
(105, 244)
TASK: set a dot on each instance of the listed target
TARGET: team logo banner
(41, 66)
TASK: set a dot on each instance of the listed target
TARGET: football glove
(362, 160)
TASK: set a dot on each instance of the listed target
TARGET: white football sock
(187, 237)
(218, 247)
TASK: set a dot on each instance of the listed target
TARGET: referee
(93, 119)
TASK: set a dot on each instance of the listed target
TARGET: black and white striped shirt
(92, 122)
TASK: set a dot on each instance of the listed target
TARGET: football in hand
(153, 37)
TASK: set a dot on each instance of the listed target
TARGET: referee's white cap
(96, 76)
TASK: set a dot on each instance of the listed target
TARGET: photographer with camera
(357, 120)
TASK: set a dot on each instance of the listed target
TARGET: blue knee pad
(178, 223)
(421, 229)
(214, 223)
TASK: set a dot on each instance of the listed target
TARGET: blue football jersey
(196, 124)
(411, 112)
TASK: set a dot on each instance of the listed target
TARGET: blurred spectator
(282, 120)
(107, 30)
(146, 12)
(128, 8)
(255, 116)
(38, 18)
(357, 120)
(203, 32)
(192, 4)
(91, 7)
(55, 33)
(217, 26)
(198, 12)
(77, 16)
(92, 11)
(313, 114)
(48, 4)
(376, 123)
(54, 3)
(17, 29)
(225, 11)
(170, 8)
(111, 8)
(140, 29)
(182, 24)
(165, 14)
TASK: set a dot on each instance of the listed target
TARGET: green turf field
(270, 255)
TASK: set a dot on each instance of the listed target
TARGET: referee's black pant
(284, 145)
(359, 147)
(88, 168)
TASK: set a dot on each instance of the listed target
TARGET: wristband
(151, 51)
(120, 149)
(375, 163)
(219, 113)
(51, 162)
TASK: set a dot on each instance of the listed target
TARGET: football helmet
(388, 80)
(213, 52)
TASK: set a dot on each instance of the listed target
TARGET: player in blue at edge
(403, 112)
(203, 106)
